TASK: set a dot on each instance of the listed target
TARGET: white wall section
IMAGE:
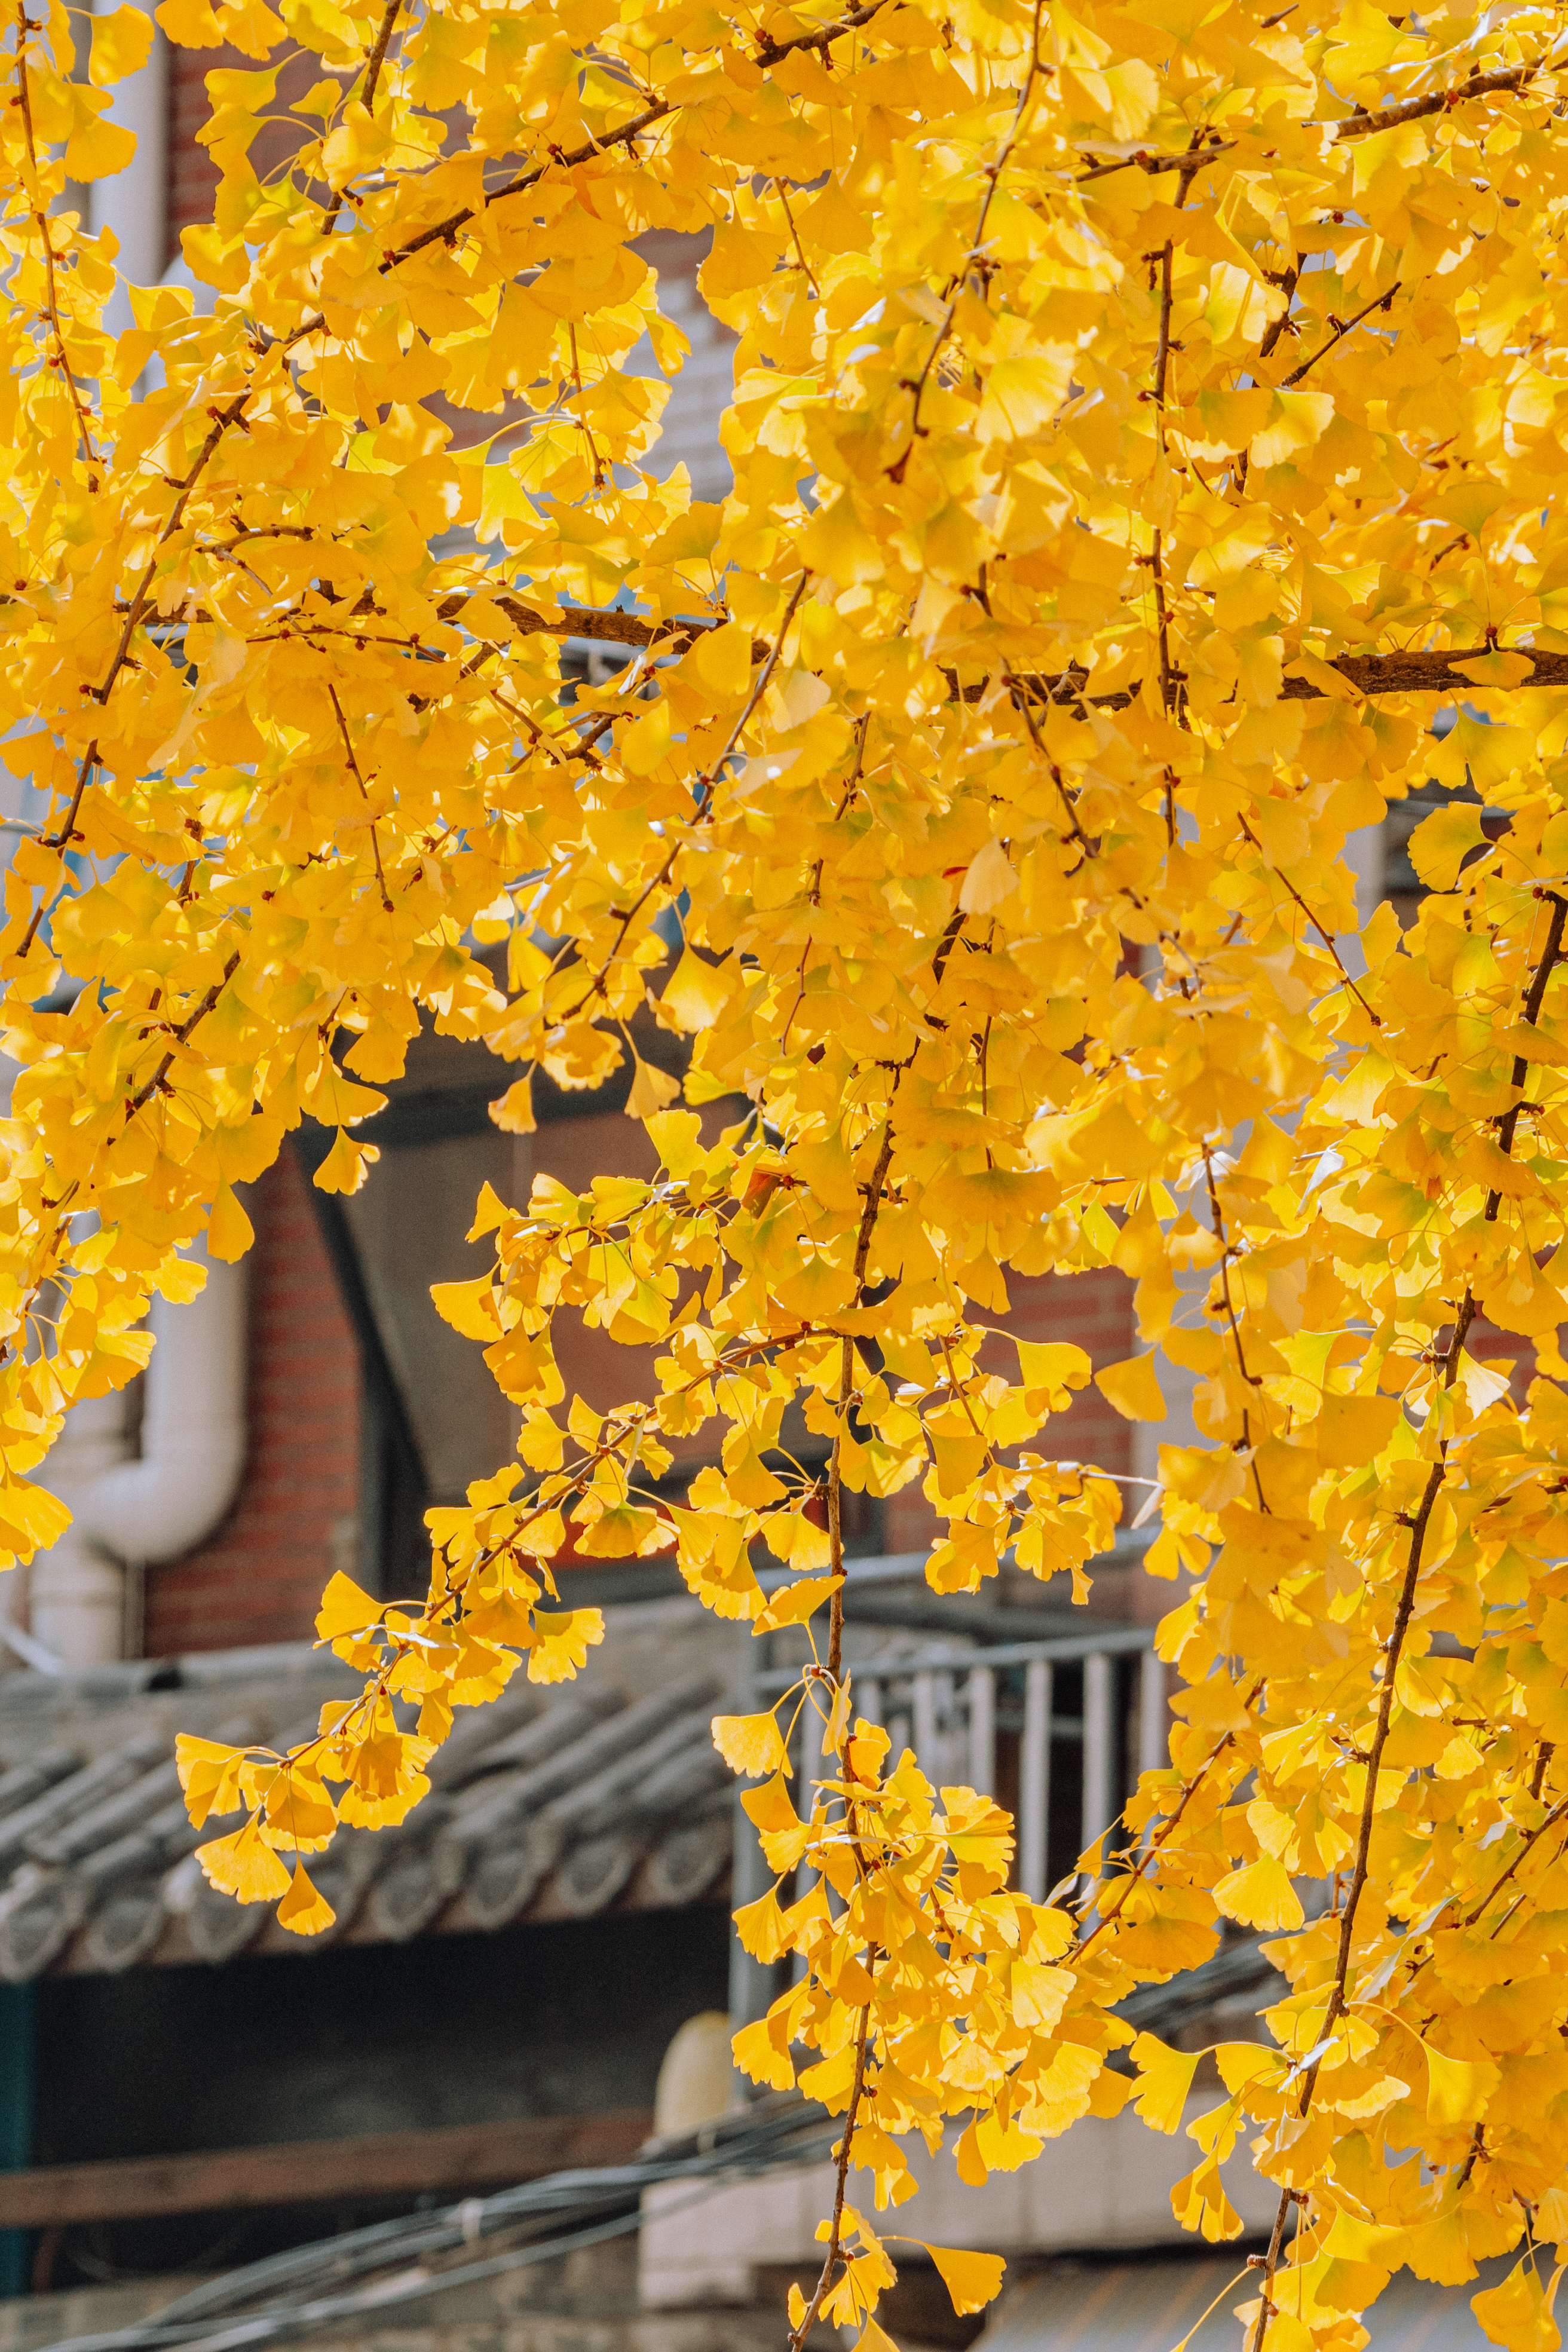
(134, 202)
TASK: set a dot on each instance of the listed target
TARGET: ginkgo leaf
(209, 1776)
(1055, 1370)
(1441, 842)
(972, 2280)
(97, 148)
(1022, 396)
(121, 43)
(989, 880)
(676, 1137)
(468, 1306)
(490, 1211)
(345, 1608)
(562, 1644)
(761, 1928)
(796, 1603)
(243, 1865)
(749, 1744)
(1260, 1896)
(513, 1111)
(1518, 2311)
(652, 1090)
(1165, 2080)
(304, 1911)
(1132, 1388)
(346, 1165)
(695, 994)
(1457, 2088)
(1353, 1429)
(229, 1230)
(1365, 41)
(1039, 1994)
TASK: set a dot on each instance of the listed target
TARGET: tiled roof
(555, 1803)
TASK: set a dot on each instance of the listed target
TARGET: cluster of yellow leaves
(1146, 413)
(925, 1936)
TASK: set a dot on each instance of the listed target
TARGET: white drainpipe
(164, 1504)
(134, 202)
(193, 1426)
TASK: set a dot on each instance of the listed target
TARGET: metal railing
(993, 1719)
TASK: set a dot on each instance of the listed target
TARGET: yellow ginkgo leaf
(1165, 2079)
(304, 1911)
(244, 1865)
(652, 1090)
(345, 1608)
(695, 994)
(1457, 2088)
(1260, 1896)
(796, 1603)
(750, 1743)
(97, 147)
(972, 2280)
(121, 43)
(1132, 1388)
(229, 1229)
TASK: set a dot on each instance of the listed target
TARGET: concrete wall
(1103, 2185)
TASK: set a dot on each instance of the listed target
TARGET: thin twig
(145, 1095)
(1342, 329)
(363, 794)
(707, 786)
(782, 194)
(992, 175)
(1326, 936)
(59, 841)
(373, 74)
(841, 2175)
(868, 1215)
(1272, 2264)
(41, 222)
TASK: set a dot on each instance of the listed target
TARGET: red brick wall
(1094, 1311)
(261, 1577)
(193, 175)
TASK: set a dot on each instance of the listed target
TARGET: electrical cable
(285, 2292)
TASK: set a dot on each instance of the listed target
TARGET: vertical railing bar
(983, 1730)
(944, 1706)
(1098, 1750)
(924, 1708)
(1153, 1733)
(1035, 1778)
(868, 1697)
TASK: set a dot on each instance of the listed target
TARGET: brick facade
(1094, 1312)
(260, 1578)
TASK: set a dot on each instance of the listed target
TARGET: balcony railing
(1058, 1730)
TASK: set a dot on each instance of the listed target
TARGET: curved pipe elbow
(169, 1502)
(192, 1434)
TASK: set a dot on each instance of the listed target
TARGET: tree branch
(1354, 126)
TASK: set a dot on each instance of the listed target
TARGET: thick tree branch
(1354, 126)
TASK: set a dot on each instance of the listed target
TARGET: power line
(286, 2294)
